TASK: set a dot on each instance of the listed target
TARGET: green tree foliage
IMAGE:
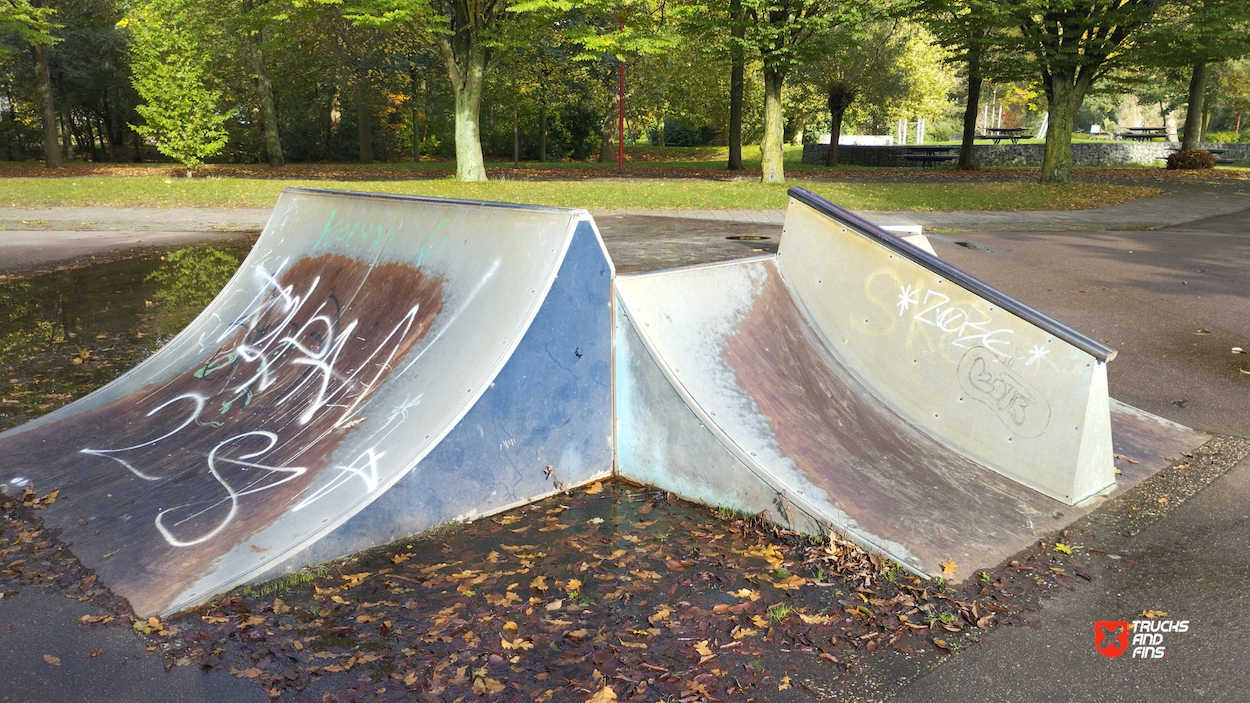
(973, 31)
(785, 34)
(1074, 43)
(180, 110)
(189, 280)
(859, 64)
(31, 24)
(1191, 35)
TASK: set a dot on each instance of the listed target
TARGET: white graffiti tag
(969, 325)
(289, 375)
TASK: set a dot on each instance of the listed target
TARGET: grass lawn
(672, 178)
(601, 194)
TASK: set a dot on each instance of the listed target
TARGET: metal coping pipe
(1081, 341)
(426, 199)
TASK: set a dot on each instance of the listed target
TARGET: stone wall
(1083, 154)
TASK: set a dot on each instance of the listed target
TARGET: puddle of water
(67, 333)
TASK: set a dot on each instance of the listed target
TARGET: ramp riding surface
(367, 344)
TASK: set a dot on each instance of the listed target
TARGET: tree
(971, 30)
(34, 26)
(858, 65)
(1195, 34)
(171, 74)
(465, 33)
(784, 34)
(1074, 43)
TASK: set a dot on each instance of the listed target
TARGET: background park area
(716, 93)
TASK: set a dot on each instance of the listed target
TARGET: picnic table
(1141, 134)
(1015, 134)
(930, 155)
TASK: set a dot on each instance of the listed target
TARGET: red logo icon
(1111, 637)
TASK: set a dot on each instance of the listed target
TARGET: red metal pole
(620, 121)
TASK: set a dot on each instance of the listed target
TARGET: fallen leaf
(633, 645)
(659, 616)
(1121, 457)
(941, 643)
(554, 605)
(785, 683)
(482, 686)
(1163, 500)
(949, 567)
(605, 695)
(747, 593)
(815, 619)
(702, 648)
(1153, 614)
(519, 644)
(54, 661)
(594, 488)
(1063, 548)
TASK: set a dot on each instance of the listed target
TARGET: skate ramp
(854, 382)
(453, 355)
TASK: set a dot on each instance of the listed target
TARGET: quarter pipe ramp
(441, 354)
(853, 381)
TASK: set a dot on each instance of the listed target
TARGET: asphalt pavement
(1162, 280)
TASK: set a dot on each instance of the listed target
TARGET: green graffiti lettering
(325, 233)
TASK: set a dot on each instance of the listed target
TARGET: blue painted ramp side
(550, 405)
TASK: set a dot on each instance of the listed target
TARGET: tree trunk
(835, 131)
(1193, 118)
(659, 138)
(364, 123)
(43, 84)
(840, 97)
(336, 120)
(607, 147)
(967, 148)
(542, 132)
(772, 152)
(268, 106)
(412, 106)
(138, 147)
(67, 136)
(800, 127)
(736, 62)
(469, 163)
(95, 153)
(1064, 94)
(466, 74)
(516, 136)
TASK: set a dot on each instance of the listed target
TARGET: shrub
(1191, 160)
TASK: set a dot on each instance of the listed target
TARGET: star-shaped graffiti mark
(907, 297)
(1036, 355)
